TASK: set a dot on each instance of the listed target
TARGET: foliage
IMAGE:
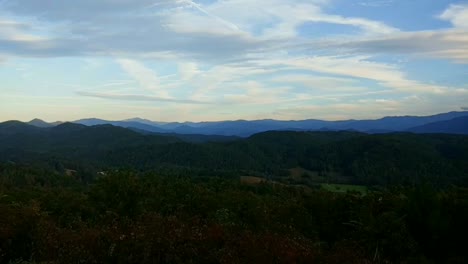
(333, 157)
(73, 194)
(129, 217)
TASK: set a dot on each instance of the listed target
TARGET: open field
(344, 188)
(252, 180)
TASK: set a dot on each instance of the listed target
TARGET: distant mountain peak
(138, 119)
(91, 121)
(69, 126)
(13, 123)
(144, 121)
(39, 123)
(37, 120)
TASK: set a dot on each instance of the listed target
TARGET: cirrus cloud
(234, 53)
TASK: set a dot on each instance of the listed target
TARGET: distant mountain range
(452, 123)
(457, 125)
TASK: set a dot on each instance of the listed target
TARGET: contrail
(204, 11)
(198, 7)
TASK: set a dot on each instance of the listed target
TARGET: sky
(209, 60)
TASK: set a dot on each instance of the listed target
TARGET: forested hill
(104, 194)
(14, 134)
(341, 157)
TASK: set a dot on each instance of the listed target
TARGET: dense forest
(128, 217)
(332, 157)
(104, 194)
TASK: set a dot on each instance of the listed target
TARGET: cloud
(9, 25)
(188, 70)
(254, 92)
(133, 97)
(19, 38)
(224, 78)
(217, 18)
(457, 14)
(234, 52)
(84, 9)
(361, 67)
(372, 108)
(146, 77)
(217, 31)
(276, 19)
(376, 3)
(448, 44)
(110, 28)
(316, 82)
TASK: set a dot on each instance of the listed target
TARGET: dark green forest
(333, 157)
(102, 194)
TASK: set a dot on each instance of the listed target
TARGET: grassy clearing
(252, 180)
(344, 188)
(337, 188)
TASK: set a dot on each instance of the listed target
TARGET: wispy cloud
(385, 74)
(217, 18)
(146, 77)
(317, 82)
(133, 97)
(448, 44)
(376, 3)
(457, 14)
(248, 56)
(215, 31)
(188, 70)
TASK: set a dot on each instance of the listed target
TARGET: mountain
(333, 156)
(244, 128)
(145, 121)
(17, 127)
(454, 126)
(397, 123)
(125, 124)
(339, 157)
(39, 123)
(92, 121)
(72, 138)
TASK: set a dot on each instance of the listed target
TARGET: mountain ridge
(457, 125)
(245, 128)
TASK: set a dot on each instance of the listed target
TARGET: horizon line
(228, 120)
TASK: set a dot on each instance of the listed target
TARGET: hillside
(340, 157)
(69, 141)
(107, 194)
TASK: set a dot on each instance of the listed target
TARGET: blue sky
(183, 60)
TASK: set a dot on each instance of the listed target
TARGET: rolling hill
(339, 157)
